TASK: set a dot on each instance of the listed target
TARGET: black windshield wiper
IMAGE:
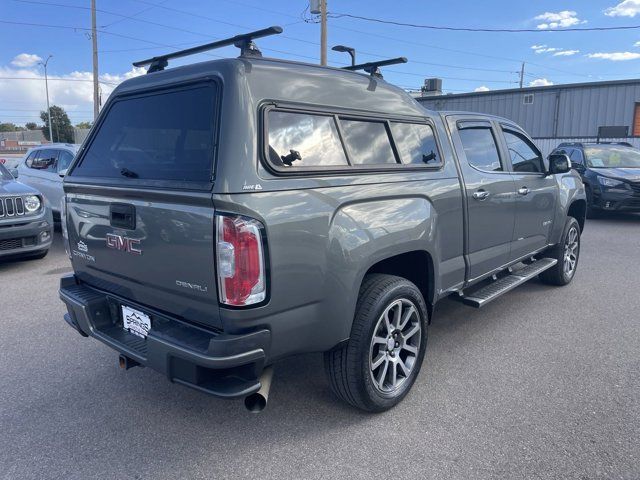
(125, 172)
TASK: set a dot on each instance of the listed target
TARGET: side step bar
(501, 286)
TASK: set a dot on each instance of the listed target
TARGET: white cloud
(637, 44)
(25, 60)
(544, 49)
(563, 19)
(626, 8)
(566, 53)
(615, 56)
(482, 88)
(23, 96)
(540, 82)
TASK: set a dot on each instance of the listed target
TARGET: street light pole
(46, 86)
(323, 33)
(94, 44)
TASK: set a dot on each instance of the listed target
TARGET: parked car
(610, 172)
(26, 223)
(299, 209)
(44, 167)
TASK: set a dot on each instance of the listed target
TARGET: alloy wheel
(395, 345)
(571, 251)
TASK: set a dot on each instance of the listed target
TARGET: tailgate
(139, 208)
(163, 258)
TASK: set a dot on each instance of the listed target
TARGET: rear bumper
(218, 364)
(24, 238)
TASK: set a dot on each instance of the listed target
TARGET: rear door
(489, 194)
(139, 208)
(536, 193)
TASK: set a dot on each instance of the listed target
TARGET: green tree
(8, 127)
(85, 125)
(31, 125)
(60, 124)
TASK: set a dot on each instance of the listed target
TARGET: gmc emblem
(124, 244)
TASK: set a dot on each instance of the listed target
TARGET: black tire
(558, 274)
(350, 367)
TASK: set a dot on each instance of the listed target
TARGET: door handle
(481, 195)
(523, 191)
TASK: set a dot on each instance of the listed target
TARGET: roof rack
(373, 68)
(244, 42)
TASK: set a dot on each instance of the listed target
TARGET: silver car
(44, 167)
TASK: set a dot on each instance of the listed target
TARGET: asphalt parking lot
(542, 383)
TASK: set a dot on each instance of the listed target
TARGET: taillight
(240, 254)
(63, 225)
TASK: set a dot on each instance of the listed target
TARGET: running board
(501, 286)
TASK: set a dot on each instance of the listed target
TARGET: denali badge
(125, 244)
(192, 286)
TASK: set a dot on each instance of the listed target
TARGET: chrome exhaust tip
(257, 402)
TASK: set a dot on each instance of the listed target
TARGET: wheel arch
(578, 210)
(415, 266)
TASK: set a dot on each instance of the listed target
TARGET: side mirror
(63, 172)
(559, 163)
(14, 172)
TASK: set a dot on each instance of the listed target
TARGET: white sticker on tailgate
(136, 322)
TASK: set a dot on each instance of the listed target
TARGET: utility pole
(522, 75)
(46, 86)
(323, 33)
(94, 41)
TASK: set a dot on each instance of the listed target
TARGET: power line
(274, 50)
(59, 80)
(485, 30)
(463, 52)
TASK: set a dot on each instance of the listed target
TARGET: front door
(490, 194)
(536, 194)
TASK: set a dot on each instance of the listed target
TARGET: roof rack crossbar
(373, 68)
(244, 42)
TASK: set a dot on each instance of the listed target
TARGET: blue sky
(465, 61)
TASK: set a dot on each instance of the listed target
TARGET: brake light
(63, 225)
(240, 260)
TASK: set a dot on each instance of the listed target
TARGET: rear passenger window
(416, 143)
(304, 140)
(480, 149)
(64, 160)
(368, 142)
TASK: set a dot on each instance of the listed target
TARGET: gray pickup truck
(224, 215)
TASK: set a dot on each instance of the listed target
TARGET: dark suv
(26, 223)
(225, 215)
(610, 172)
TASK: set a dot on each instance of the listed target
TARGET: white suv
(44, 167)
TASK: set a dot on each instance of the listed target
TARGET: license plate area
(135, 322)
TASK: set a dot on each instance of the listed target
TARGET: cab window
(525, 158)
